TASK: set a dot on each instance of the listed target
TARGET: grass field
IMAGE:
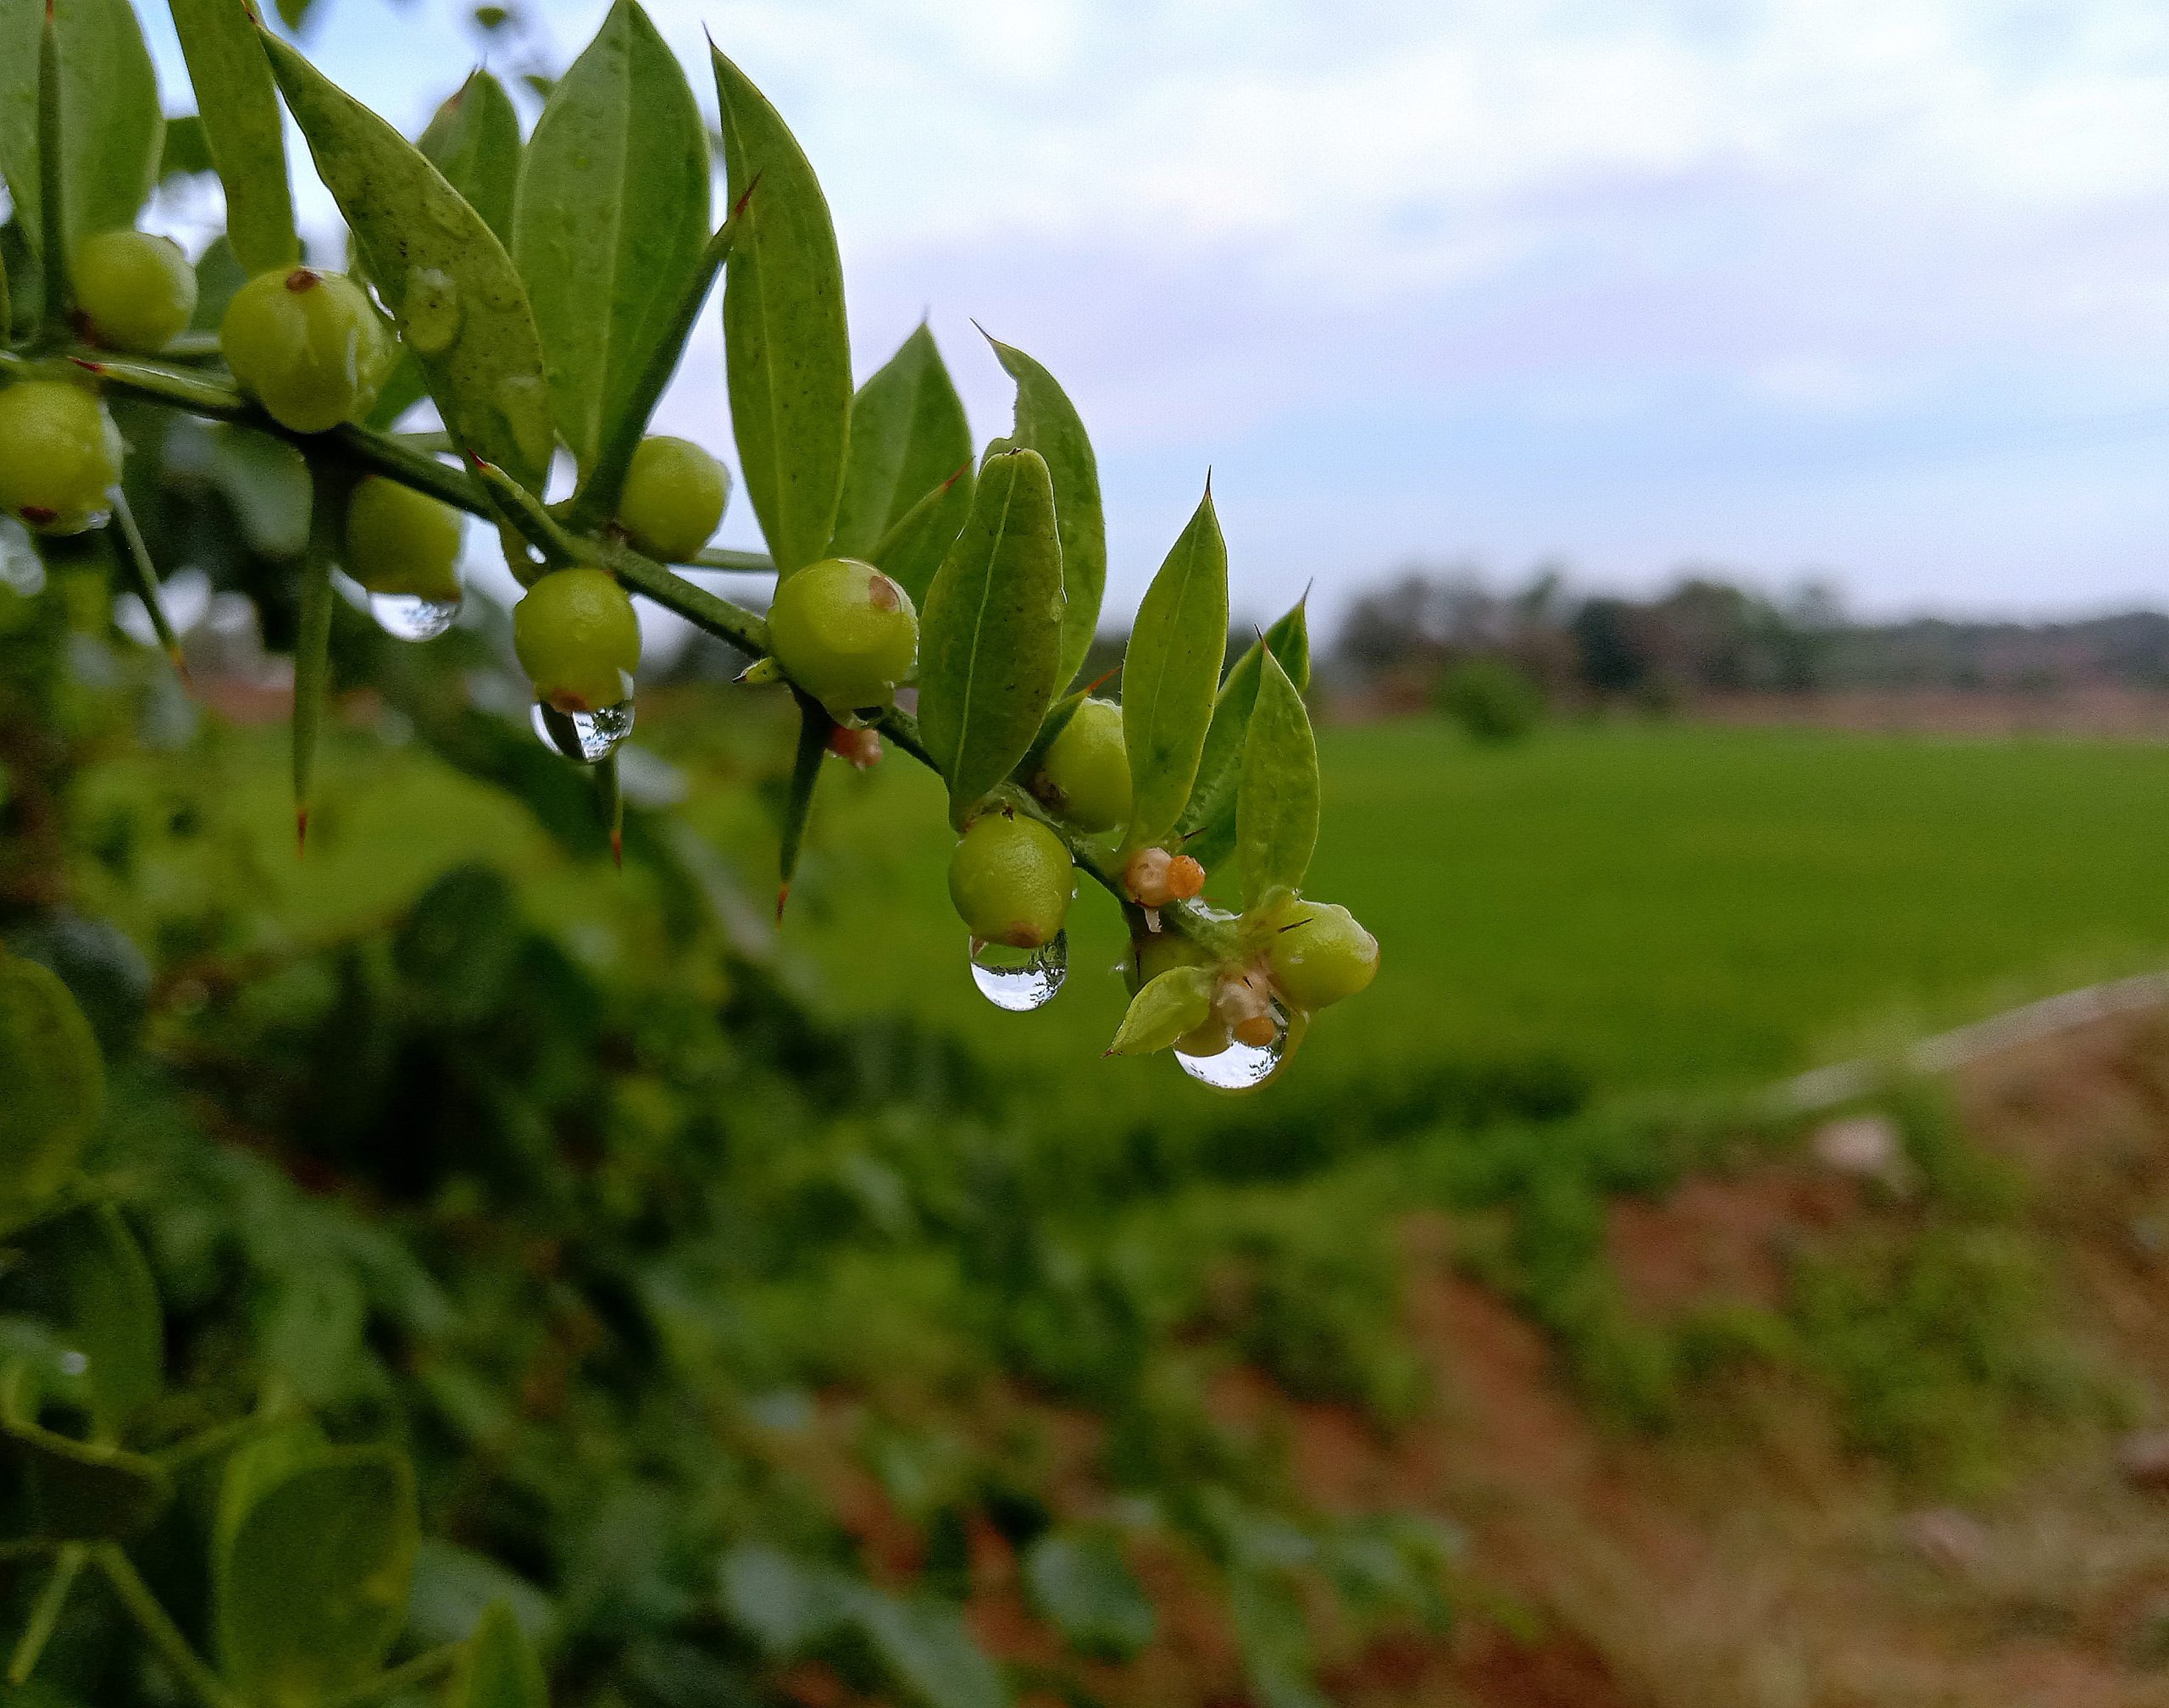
(1669, 906)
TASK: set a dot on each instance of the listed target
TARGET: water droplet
(410, 617)
(1241, 1067)
(430, 317)
(1021, 980)
(590, 737)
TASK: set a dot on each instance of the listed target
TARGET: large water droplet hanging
(410, 617)
(1020, 979)
(1241, 1067)
(590, 737)
(429, 315)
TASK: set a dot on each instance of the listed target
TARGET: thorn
(301, 831)
(88, 365)
(1305, 599)
(617, 847)
(1103, 677)
(962, 470)
(1208, 483)
(738, 206)
(986, 335)
(180, 669)
(782, 897)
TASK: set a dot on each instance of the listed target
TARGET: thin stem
(430, 1664)
(741, 563)
(46, 1614)
(742, 628)
(147, 581)
(152, 1620)
(53, 216)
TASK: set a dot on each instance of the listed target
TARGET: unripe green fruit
(400, 541)
(59, 454)
(674, 498)
(1320, 955)
(577, 638)
(1012, 880)
(1086, 775)
(307, 344)
(846, 633)
(1155, 952)
(136, 290)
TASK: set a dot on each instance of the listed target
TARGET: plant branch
(157, 1625)
(47, 1613)
(430, 1664)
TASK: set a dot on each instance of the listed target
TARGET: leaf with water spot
(439, 269)
(1179, 1001)
(244, 133)
(1169, 674)
(1207, 826)
(786, 353)
(1277, 802)
(611, 217)
(312, 1550)
(112, 127)
(908, 440)
(1047, 422)
(991, 638)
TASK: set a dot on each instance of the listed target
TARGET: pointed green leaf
(908, 439)
(1047, 422)
(111, 126)
(990, 639)
(83, 1274)
(439, 270)
(474, 139)
(314, 1550)
(52, 1085)
(238, 107)
(1179, 1001)
(500, 1668)
(1207, 826)
(1170, 673)
(1277, 802)
(612, 216)
(787, 354)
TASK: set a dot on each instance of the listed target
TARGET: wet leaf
(1047, 422)
(237, 106)
(1277, 802)
(990, 639)
(439, 270)
(611, 217)
(52, 1085)
(1170, 673)
(908, 438)
(1178, 1001)
(787, 354)
(474, 139)
(1207, 826)
(111, 125)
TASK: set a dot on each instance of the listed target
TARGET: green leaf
(500, 1668)
(1083, 1585)
(923, 1646)
(314, 1550)
(111, 125)
(439, 270)
(1178, 1001)
(474, 139)
(787, 354)
(1170, 673)
(990, 639)
(1047, 422)
(612, 216)
(83, 1273)
(1207, 826)
(909, 440)
(52, 1085)
(186, 150)
(1277, 802)
(238, 108)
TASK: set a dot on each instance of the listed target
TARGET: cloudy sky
(1875, 289)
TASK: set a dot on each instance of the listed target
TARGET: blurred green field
(1663, 905)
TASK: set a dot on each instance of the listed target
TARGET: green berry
(1320, 955)
(578, 639)
(1012, 880)
(136, 291)
(307, 344)
(1086, 775)
(846, 633)
(674, 498)
(59, 456)
(400, 541)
